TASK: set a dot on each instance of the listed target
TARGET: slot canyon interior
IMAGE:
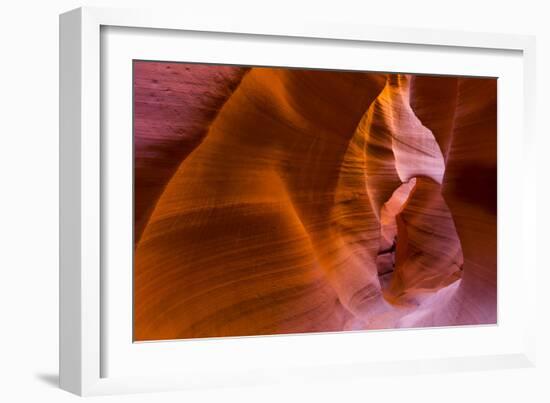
(283, 200)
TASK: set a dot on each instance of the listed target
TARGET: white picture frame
(83, 172)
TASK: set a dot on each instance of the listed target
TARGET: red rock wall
(272, 200)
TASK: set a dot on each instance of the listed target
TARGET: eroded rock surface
(274, 201)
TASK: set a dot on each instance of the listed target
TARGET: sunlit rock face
(273, 201)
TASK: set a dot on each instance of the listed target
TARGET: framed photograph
(246, 202)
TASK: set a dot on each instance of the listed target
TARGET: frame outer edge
(70, 119)
(177, 18)
(530, 188)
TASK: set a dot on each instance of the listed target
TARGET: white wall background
(29, 199)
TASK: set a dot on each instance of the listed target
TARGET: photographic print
(274, 200)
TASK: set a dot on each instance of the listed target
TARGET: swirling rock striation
(273, 200)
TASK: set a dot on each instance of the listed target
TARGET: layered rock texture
(276, 200)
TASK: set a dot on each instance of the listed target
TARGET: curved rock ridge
(292, 201)
(174, 104)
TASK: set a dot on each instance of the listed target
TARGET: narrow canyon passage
(276, 200)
